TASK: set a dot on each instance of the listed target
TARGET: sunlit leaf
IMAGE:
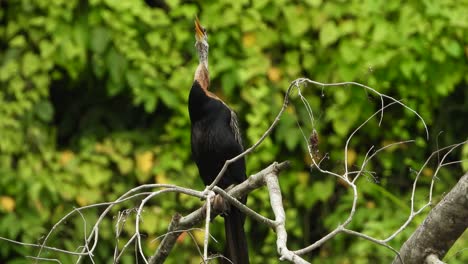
(329, 33)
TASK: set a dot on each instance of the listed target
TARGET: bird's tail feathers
(236, 242)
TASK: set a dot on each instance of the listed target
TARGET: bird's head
(201, 43)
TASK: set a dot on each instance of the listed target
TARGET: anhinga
(215, 138)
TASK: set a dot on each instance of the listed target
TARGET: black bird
(216, 138)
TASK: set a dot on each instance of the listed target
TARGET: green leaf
(329, 33)
(314, 3)
(117, 66)
(452, 47)
(348, 50)
(31, 64)
(100, 39)
(465, 157)
(168, 97)
(94, 175)
(18, 41)
(323, 189)
(296, 20)
(47, 49)
(45, 111)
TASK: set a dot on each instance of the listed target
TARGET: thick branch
(442, 227)
(165, 247)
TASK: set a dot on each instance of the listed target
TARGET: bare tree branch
(276, 202)
(433, 259)
(180, 223)
(207, 226)
(442, 227)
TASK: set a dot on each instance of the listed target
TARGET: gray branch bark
(442, 227)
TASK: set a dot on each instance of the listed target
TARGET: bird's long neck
(202, 76)
(203, 55)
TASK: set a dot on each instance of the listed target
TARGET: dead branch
(441, 228)
(180, 223)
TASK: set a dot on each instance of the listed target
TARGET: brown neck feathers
(202, 76)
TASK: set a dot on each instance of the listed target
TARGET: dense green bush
(93, 102)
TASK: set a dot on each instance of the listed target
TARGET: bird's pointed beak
(199, 31)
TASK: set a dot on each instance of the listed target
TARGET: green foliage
(93, 101)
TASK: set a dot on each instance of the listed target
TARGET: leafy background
(93, 102)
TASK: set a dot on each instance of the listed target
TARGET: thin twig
(207, 226)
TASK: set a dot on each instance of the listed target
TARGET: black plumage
(215, 138)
